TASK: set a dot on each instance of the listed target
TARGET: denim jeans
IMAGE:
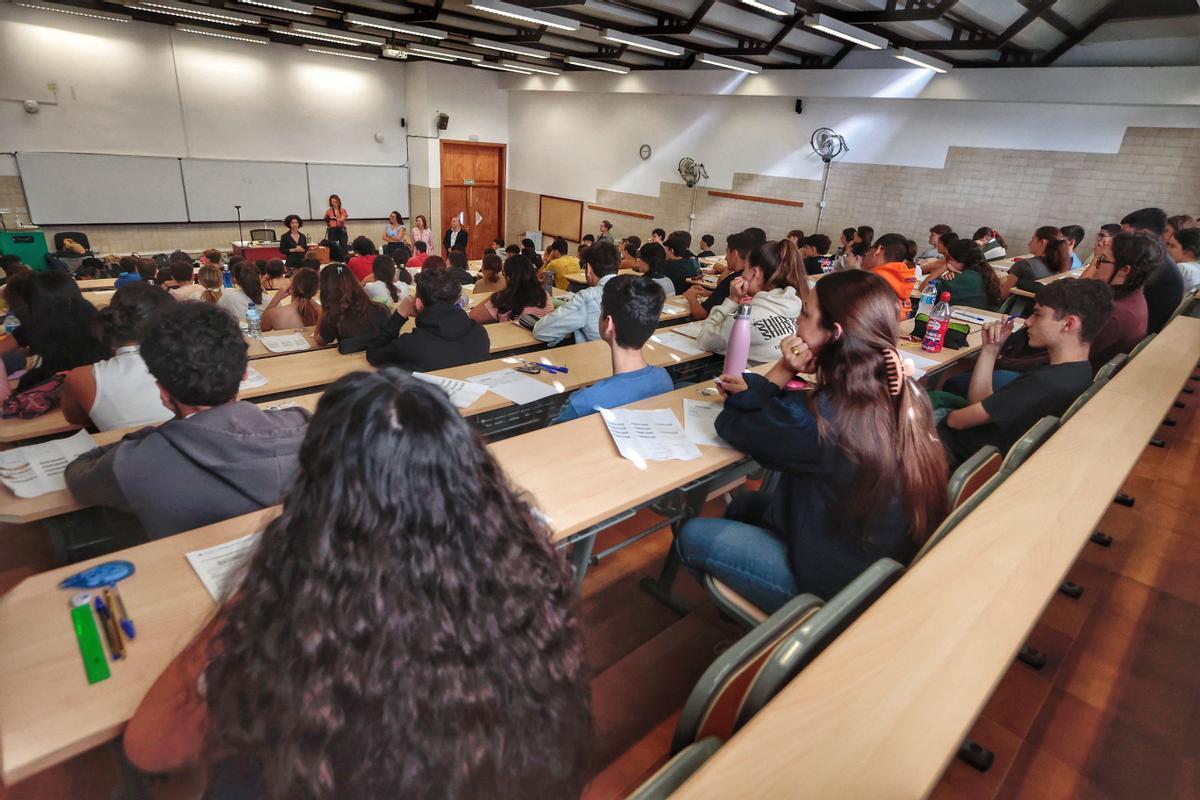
(960, 383)
(740, 552)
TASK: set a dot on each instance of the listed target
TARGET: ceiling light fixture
(729, 63)
(77, 12)
(780, 8)
(641, 42)
(600, 65)
(396, 27)
(538, 68)
(827, 24)
(237, 37)
(325, 34)
(417, 49)
(502, 68)
(500, 8)
(359, 56)
(189, 11)
(921, 60)
(505, 47)
(281, 5)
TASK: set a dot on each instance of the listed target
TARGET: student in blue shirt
(1074, 236)
(129, 272)
(629, 312)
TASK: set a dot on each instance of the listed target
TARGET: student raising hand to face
(996, 333)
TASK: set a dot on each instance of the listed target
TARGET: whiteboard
(267, 190)
(367, 192)
(82, 188)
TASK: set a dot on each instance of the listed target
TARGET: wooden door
(473, 186)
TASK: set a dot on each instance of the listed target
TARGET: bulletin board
(560, 216)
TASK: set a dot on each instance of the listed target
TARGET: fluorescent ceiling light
(503, 68)
(388, 25)
(641, 42)
(325, 34)
(780, 8)
(827, 24)
(538, 68)
(421, 50)
(433, 56)
(505, 47)
(500, 8)
(189, 11)
(921, 60)
(600, 65)
(729, 63)
(281, 5)
(340, 54)
(237, 37)
(72, 10)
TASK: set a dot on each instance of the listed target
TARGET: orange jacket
(902, 277)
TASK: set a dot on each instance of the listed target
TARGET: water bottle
(928, 298)
(935, 329)
(738, 349)
(548, 282)
(253, 321)
(11, 323)
(227, 278)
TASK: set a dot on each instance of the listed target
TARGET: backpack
(36, 400)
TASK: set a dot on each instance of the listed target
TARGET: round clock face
(644, 152)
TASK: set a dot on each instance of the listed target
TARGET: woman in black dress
(293, 244)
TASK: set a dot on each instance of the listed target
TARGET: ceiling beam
(913, 12)
(988, 43)
(1095, 21)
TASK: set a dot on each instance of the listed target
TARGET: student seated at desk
(385, 642)
(274, 276)
(348, 316)
(530, 252)
(1184, 248)
(861, 473)
(302, 311)
(991, 243)
(182, 286)
(706, 246)
(968, 277)
(129, 272)
(559, 261)
(1164, 286)
(444, 336)
(1124, 265)
(629, 312)
(218, 458)
(701, 301)
(364, 257)
(1074, 235)
(457, 268)
(384, 285)
(775, 286)
(680, 264)
(522, 294)
(932, 252)
(1067, 316)
(852, 258)
(813, 249)
(1051, 255)
(119, 391)
(650, 260)
(580, 316)
(247, 289)
(56, 325)
(210, 281)
(491, 275)
(891, 258)
(417, 260)
(628, 248)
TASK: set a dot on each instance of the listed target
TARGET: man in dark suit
(455, 238)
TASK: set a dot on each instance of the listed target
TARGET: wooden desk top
(50, 713)
(256, 349)
(92, 284)
(882, 711)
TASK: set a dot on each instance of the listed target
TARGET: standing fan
(828, 144)
(692, 173)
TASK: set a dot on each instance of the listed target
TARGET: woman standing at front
(293, 244)
(335, 227)
(395, 234)
(421, 233)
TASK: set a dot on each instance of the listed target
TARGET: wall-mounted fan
(691, 171)
(828, 144)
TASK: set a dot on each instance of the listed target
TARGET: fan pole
(824, 193)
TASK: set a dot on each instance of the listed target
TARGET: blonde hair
(210, 278)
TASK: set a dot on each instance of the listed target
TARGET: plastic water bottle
(738, 349)
(11, 323)
(548, 282)
(935, 329)
(253, 321)
(227, 278)
(928, 297)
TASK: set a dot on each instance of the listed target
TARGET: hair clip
(898, 369)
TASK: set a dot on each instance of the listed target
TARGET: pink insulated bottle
(935, 329)
(738, 349)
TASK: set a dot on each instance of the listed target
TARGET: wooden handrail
(607, 210)
(754, 198)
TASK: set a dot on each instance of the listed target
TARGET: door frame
(501, 181)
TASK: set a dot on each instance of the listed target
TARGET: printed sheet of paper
(219, 567)
(514, 386)
(690, 329)
(676, 342)
(643, 436)
(285, 343)
(922, 363)
(462, 393)
(700, 422)
(38, 469)
(254, 379)
(672, 310)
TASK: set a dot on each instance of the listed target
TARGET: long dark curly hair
(405, 627)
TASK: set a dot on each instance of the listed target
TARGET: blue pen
(116, 648)
(548, 367)
(122, 615)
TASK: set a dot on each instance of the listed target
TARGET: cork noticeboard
(560, 216)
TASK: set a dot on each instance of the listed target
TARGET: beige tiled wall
(1014, 191)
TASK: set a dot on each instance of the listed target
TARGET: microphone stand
(241, 236)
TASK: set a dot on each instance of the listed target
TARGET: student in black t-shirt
(813, 248)
(706, 246)
(737, 255)
(1164, 286)
(1067, 316)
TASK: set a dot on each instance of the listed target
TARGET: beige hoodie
(772, 318)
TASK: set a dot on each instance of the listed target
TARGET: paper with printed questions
(690, 329)
(643, 436)
(221, 567)
(37, 469)
(700, 422)
(676, 342)
(462, 393)
(514, 386)
(285, 343)
(253, 380)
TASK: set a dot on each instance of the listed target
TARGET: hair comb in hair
(898, 369)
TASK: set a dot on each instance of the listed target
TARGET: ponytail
(1058, 251)
(970, 255)
(250, 282)
(210, 278)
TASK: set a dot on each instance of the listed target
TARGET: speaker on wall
(443, 121)
(799, 106)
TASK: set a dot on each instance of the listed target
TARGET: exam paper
(514, 386)
(462, 393)
(38, 469)
(285, 343)
(700, 422)
(643, 436)
(676, 342)
(922, 363)
(253, 380)
(671, 310)
(219, 567)
(690, 329)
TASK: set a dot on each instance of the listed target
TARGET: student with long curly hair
(384, 643)
(1051, 255)
(862, 473)
(968, 277)
(349, 316)
(522, 294)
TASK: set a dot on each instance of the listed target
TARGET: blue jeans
(740, 552)
(959, 384)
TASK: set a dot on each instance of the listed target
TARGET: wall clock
(644, 152)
